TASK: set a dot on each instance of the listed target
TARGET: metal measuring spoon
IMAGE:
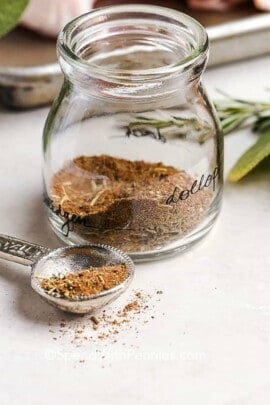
(45, 263)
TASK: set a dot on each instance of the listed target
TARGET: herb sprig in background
(233, 115)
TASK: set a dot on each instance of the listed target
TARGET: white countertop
(208, 343)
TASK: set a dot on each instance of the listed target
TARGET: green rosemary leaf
(233, 122)
(252, 157)
(143, 118)
(10, 13)
(143, 121)
(262, 124)
(184, 119)
(234, 112)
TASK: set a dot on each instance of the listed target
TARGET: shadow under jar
(133, 156)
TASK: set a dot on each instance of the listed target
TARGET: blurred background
(38, 49)
(30, 75)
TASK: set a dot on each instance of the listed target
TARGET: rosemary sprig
(162, 129)
(233, 113)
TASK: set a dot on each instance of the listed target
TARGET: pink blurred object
(262, 4)
(223, 5)
(49, 16)
(220, 5)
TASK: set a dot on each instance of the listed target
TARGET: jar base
(174, 248)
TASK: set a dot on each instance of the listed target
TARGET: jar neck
(133, 51)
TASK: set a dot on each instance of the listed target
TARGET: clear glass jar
(133, 155)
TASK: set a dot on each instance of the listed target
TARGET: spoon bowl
(46, 263)
(74, 259)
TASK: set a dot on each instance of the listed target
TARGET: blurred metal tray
(30, 75)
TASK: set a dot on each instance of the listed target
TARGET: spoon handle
(20, 251)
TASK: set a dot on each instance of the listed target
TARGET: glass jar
(133, 155)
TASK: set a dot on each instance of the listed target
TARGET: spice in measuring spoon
(85, 283)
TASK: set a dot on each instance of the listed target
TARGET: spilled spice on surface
(85, 283)
(108, 326)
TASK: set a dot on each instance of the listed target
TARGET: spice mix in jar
(133, 156)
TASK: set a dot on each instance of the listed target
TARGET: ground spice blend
(85, 283)
(127, 204)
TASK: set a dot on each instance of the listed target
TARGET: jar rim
(199, 51)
